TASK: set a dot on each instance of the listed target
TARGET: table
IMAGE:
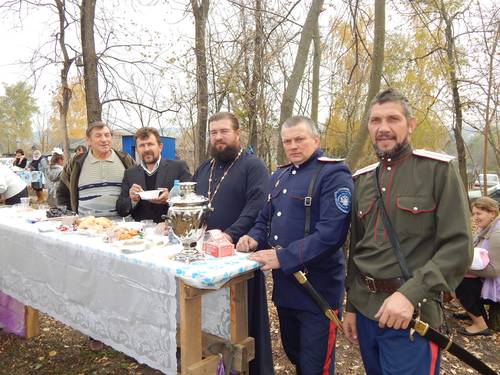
(127, 301)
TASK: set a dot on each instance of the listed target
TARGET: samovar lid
(187, 196)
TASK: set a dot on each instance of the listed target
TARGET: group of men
(298, 220)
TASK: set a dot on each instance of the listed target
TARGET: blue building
(168, 151)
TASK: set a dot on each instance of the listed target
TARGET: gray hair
(297, 120)
(392, 95)
(96, 125)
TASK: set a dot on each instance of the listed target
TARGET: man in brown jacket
(91, 182)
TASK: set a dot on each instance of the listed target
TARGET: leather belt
(381, 285)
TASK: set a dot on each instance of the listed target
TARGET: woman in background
(38, 163)
(80, 150)
(482, 285)
(53, 177)
(20, 161)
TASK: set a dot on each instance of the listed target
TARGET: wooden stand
(196, 356)
(200, 352)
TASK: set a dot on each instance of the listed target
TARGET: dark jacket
(239, 197)
(168, 171)
(67, 191)
(282, 223)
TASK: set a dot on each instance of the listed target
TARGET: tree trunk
(200, 13)
(487, 118)
(358, 145)
(315, 77)
(65, 90)
(494, 316)
(457, 105)
(94, 107)
(299, 66)
(256, 76)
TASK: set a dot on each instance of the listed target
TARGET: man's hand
(246, 244)
(133, 193)
(162, 198)
(396, 312)
(267, 258)
(350, 330)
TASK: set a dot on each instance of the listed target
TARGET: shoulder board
(366, 169)
(433, 155)
(284, 165)
(324, 159)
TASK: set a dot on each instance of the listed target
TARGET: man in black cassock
(235, 182)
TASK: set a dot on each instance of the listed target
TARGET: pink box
(217, 245)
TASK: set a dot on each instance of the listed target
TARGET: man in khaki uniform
(427, 206)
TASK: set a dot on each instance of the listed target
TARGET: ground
(63, 351)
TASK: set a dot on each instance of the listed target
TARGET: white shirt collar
(157, 165)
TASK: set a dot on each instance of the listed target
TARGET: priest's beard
(227, 154)
(393, 152)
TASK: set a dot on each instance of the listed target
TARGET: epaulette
(324, 159)
(366, 169)
(433, 155)
(284, 165)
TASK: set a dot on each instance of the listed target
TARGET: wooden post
(239, 322)
(190, 327)
(31, 324)
(239, 312)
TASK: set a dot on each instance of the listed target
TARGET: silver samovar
(187, 217)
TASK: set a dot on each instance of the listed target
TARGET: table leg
(31, 324)
(190, 327)
(239, 312)
(239, 327)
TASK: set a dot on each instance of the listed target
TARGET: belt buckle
(370, 284)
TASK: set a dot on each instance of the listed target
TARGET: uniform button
(383, 189)
(415, 208)
(389, 160)
(389, 168)
(294, 172)
(361, 212)
(278, 213)
(424, 300)
(284, 191)
(275, 237)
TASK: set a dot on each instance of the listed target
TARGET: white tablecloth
(126, 301)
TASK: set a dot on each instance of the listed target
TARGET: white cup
(148, 226)
(25, 202)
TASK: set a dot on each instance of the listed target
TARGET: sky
(21, 34)
(170, 21)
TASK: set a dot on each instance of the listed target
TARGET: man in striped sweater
(91, 182)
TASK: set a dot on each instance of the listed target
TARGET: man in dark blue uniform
(234, 182)
(303, 227)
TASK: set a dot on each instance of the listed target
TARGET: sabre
(318, 298)
(423, 329)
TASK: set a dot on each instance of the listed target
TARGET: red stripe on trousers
(434, 355)
(331, 343)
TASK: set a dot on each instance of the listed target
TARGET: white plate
(132, 246)
(150, 194)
